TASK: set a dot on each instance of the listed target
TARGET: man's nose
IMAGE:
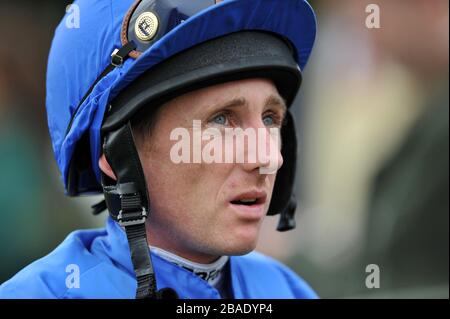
(264, 153)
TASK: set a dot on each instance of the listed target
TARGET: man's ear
(106, 168)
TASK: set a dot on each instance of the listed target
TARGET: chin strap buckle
(132, 218)
(131, 211)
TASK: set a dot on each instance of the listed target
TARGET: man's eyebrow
(240, 101)
(274, 100)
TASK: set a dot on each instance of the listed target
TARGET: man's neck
(155, 240)
(212, 273)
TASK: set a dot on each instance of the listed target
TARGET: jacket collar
(245, 283)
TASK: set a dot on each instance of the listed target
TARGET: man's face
(204, 210)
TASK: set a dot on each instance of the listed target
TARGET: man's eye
(272, 119)
(220, 119)
(268, 120)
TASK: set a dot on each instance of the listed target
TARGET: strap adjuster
(131, 219)
(116, 59)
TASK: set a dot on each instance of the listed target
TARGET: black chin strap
(128, 204)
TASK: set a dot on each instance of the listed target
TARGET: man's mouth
(250, 205)
(249, 201)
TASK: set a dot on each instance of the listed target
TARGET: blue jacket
(106, 271)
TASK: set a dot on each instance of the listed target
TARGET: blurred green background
(373, 166)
